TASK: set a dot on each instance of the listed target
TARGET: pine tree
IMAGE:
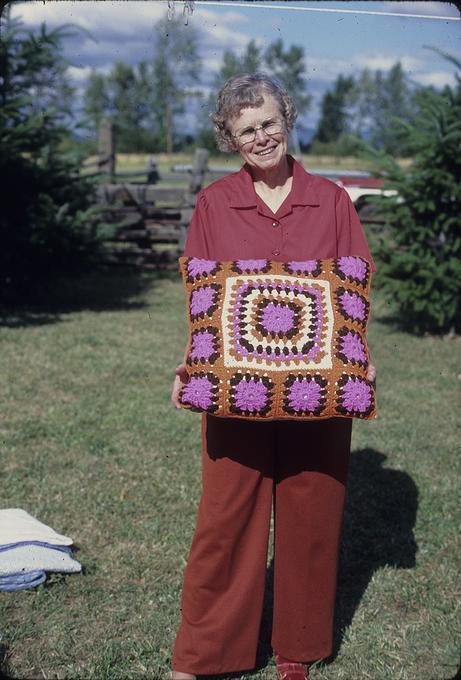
(45, 207)
(333, 120)
(419, 252)
(392, 103)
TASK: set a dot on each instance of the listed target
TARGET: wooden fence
(146, 221)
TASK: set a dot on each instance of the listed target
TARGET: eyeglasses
(269, 127)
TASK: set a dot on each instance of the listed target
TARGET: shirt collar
(302, 190)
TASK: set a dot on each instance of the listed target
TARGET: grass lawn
(90, 445)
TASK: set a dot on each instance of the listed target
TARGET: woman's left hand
(371, 372)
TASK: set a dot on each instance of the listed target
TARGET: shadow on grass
(379, 517)
(4, 670)
(104, 290)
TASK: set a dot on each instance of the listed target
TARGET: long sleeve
(350, 235)
(198, 236)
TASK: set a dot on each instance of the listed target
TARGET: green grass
(90, 445)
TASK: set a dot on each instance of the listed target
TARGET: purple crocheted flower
(353, 304)
(251, 265)
(302, 266)
(198, 392)
(197, 266)
(202, 299)
(305, 395)
(353, 267)
(357, 395)
(351, 345)
(250, 395)
(204, 345)
(277, 318)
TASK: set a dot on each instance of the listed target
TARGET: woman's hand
(181, 378)
(371, 372)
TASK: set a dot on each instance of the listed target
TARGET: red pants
(302, 467)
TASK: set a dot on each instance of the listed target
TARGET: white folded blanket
(17, 525)
(32, 557)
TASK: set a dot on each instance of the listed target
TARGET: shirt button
(276, 252)
(275, 224)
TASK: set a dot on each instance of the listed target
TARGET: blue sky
(333, 42)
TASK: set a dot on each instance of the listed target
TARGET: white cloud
(225, 37)
(79, 74)
(437, 79)
(228, 17)
(385, 62)
(120, 18)
(327, 70)
(130, 19)
(123, 31)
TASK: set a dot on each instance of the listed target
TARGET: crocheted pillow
(271, 340)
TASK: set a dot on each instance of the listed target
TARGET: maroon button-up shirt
(317, 220)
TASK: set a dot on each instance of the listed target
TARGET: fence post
(199, 170)
(106, 148)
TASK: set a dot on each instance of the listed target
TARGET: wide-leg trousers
(301, 468)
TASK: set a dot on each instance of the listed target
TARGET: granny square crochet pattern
(275, 340)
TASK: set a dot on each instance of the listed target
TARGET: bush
(419, 250)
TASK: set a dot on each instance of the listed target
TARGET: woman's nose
(260, 135)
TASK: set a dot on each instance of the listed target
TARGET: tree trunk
(168, 128)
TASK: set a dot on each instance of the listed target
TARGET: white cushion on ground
(17, 525)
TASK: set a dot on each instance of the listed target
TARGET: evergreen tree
(46, 206)
(334, 119)
(392, 103)
(363, 100)
(420, 250)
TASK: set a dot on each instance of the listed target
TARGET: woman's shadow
(379, 517)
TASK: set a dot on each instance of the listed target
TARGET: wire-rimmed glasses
(270, 127)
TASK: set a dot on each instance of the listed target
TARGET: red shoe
(290, 670)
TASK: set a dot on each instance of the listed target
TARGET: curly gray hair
(246, 90)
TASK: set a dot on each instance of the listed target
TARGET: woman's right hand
(181, 378)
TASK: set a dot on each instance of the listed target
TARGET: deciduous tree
(176, 72)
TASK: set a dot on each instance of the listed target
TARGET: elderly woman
(271, 208)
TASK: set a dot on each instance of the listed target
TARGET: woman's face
(266, 151)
